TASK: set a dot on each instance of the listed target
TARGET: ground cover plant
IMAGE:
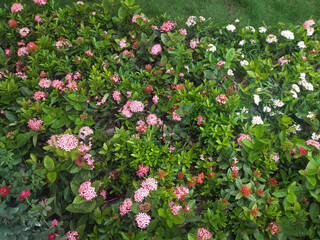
(119, 126)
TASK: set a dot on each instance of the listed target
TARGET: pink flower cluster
(116, 96)
(67, 142)
(181, 192)
(44, 83)
(143, 170)
(39, 95)
(22, 52)
(222, 98)
(200, 120)
(86, 191)
(132, 106)
(24, 31)
(54, 223)
(57, 84)
(89, 53)
(141, 126)
(40, 2)
(313, 143)
(309, 23)
(115, 78)
(273, 227)
(35, 124)
(193, 44)
(143, 220)
(167, 26)
(156, 49)
(150, 183)
(175, 209)
(176, 116)
(243, 136)
(141, 194)
(155, 99)
(183, 31)
(125, 207)
(72, 235)
(203, 234)
(16, 7)
(275, 157)
(152, 119)
(122, 43)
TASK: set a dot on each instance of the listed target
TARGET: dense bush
(114, 125)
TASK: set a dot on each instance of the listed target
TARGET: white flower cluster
(311, 115)
(250, 28)
(244, 63)
(271, 38)
(278, 103)
(242, 42)
(257, 120)
(262, 30)
(287, 34)
(295, 90)
(310, 31)
(267, 109)
(211, 48)
(256, 99)
(231, 27)
(230, 72)
(305, 83)
(191, 21)
(301, 45)
(315, 136)
(297, 128)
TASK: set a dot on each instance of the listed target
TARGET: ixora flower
(257, 120)
(203, 234)
(222, 98)
(86, 191)
(245, 190)
(4, 191)
(156, 49)
(307, 24)
(39, 95)
(231, 28)
(273, 227)
(16, 7)
(287, 34)
(73, 235)
(40, 2)
(84, 132)
(24, 194)
(35, 124)
(67, 142)
(143, 220)
(243, 136)
(271, 38)
(141, 194)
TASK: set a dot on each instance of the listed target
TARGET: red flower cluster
(245, 190)
(24, 194)
(4, 191)
(273, 181)
(303, 151)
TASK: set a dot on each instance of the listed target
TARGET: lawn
(250, 12)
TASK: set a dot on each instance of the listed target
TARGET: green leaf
(247, 143)
(85, 207)
(312, 167)
(230, 54)
(52, 176)
(162, 213)
(312, 180)
(192, 236)
(314, 211)
(78, 200)
(48, 163)
(291, 198)
(125, 236)
(10, 116)
(177, 219)
(280, 193)
(258, 131)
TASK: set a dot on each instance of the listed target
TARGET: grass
(250, 12)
